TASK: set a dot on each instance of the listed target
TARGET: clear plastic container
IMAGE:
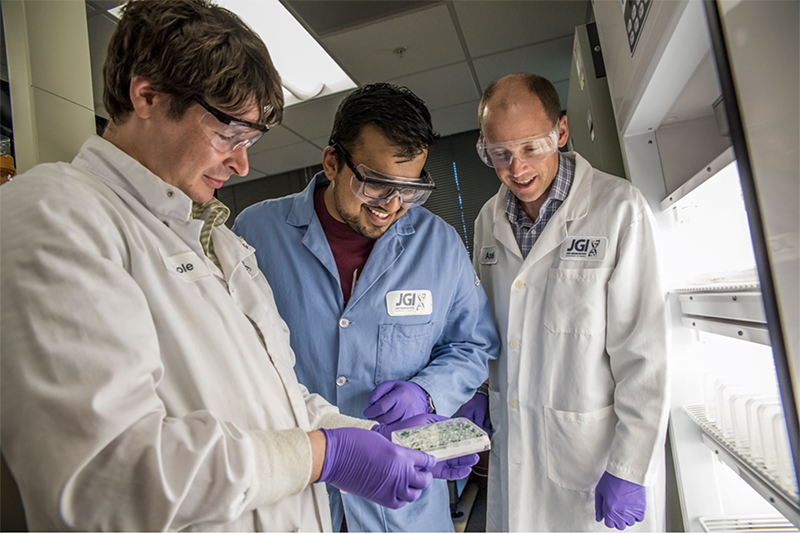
(783, 454)
(741, 430)
(754, 406)
(724, 414)
(445, 439)
(768, 417)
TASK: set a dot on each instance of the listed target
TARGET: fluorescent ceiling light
(306, 70)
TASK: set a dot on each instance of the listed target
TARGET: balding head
(509, 91)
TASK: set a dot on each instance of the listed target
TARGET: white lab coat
(580, 386)
(136, 391)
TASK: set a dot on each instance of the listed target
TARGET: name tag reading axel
(409, 302)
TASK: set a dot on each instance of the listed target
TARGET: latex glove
(365, 464)
(395, 400)
(620, 502)
(477, 410)
(453, 469)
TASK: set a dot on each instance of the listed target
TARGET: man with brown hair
(147, 377)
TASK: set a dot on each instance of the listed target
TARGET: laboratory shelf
(786, 500)
(747, 524)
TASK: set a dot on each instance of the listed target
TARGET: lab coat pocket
(575, 302)
(578, 446)
(403, 351)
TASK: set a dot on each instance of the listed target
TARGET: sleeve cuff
(337, 420)
(283, 465)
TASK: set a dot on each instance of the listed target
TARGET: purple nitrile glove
(365, 464)
(416, 420)
(477, 410)
(620, 502)
(395, 400)
(453, 469)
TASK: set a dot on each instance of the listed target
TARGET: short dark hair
(537, 85)
(400, 114)
(186, 49)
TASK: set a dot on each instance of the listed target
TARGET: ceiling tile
(428, 36)
(493, 25)
(442, 87)
(313, 118)
(325, 17)
(552, 60)
(283, 159)
(277, 137)
(456, 119)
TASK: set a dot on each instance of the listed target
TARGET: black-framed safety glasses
(228, 133)
(376, 188)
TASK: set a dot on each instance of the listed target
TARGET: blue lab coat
(344, 352)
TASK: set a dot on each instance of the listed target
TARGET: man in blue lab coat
(386, 315)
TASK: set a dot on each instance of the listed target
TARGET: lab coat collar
(119, 170)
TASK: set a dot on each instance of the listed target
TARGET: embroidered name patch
(584, 248)
(488, 256)
(409, 302)
(186, 265)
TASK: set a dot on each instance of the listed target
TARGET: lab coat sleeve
(636, 344)
(459, 359)
(322, 414)
(283, 458)
(84, 430)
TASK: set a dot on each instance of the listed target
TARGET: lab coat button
(520, 284)
(514, 343)
(344, 323)
(341, 380)
(514, 403)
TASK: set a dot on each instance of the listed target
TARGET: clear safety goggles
(528, 150)
(228, 133)
(377, 189)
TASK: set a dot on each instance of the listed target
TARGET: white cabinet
(729, 240)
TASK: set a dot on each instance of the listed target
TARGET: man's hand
(364, 463)
(619, 502)
(395, 400)
(452, 469)
(477, 410)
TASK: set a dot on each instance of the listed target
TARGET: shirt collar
(558, 192)
(212, 212)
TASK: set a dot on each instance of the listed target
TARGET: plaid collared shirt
(526, 231)
(212, 213)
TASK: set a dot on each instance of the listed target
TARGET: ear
(329, 163)
(143, 97)
(563, 131)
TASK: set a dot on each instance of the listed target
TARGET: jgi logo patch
(584, 248)
(409, 302)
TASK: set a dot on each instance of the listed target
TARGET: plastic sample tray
(445, 439)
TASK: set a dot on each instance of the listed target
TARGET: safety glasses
(376, 189)
(528, 150)
(228, 133)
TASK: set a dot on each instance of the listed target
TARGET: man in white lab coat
(147, 378)
(578, 395)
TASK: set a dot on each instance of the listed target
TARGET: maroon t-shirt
(350, 249)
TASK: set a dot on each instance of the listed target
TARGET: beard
(353, 220)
